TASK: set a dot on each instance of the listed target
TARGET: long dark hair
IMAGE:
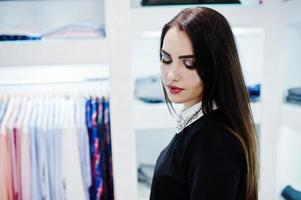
(217, 63)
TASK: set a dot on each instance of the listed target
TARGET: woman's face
(180, 78)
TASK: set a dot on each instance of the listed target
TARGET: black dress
(203, 162)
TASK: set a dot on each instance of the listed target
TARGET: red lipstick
(174, 89)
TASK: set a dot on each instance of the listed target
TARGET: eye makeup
(187, 60)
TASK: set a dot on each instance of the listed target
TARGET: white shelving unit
(292, 11)
(291, 116)
(289, 142)
(82, 56)
(154, 17)
(125, 25)
(53, 52)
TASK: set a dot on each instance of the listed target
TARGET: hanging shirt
(108, 149)
(102, 143)
(26, 182)
(71, 167)
(42, 144)
(2, 110)
(49, 127)
(58, 118)
(18, 132)
(83, 144)
(15, 148)
(36, 187)
(96, 190)
(5, 166)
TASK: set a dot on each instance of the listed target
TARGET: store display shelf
(152, 116)
(292, 11)
(52, 52)
(256, 110)
(152, 18)
(291, 116)
(143, 192)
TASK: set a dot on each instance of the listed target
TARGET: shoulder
(210, 142)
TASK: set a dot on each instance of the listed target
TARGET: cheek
(194, 80)
(163, 73)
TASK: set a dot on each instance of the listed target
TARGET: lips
(174, 89)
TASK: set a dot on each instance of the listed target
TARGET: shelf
(153, 116)
(256, 110)
(292, 11)
(43, 74)
(143, 192)
(153, 18)
(52, 52)
(157, 116)
(291, 116)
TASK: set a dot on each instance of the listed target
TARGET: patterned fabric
(96, 190)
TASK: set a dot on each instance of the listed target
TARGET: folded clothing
(149, 89)
(289, 193)
(15, 37)
(294, 91)
(294, 95)
(254, 92)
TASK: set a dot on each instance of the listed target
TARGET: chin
(176, 100)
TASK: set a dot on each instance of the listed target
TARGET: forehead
(177, 42)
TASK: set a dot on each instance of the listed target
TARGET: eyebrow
(180, 57)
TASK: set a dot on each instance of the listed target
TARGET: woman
(213, 155)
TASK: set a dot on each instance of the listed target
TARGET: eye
(165, 60)
(190, 64)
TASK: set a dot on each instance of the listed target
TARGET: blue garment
(2, 110)
(289, 193)
(96, 190)
(101, 135)
(105, 141)
(50, 149)
(108, 147)
(84, 145)
(5, 37)
(254, 92)
(57, 150)
(42, 154)
(36, 189)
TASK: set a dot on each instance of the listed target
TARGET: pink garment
(5, 173)
(14, 149)
(6, 180)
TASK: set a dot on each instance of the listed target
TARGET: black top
(203, 162)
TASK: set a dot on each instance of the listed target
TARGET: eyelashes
(166, 61)
(187, 63)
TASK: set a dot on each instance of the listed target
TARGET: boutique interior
(89, 72)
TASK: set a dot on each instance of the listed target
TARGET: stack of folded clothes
(294, 95)
(149, 89)
(289, 193)
(145, 174)
(254, 92)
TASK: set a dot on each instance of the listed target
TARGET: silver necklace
(182, 123)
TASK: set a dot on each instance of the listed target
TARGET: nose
(174, 73)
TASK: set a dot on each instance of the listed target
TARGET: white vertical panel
(123, 138)
(272, 20)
